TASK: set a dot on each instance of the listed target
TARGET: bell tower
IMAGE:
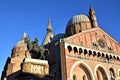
(93, 18)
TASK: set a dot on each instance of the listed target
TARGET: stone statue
(37, 52)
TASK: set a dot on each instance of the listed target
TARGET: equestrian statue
(37, 52)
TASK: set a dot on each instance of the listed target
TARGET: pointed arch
(84, 67)
(100, 72)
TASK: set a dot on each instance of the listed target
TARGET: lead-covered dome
(77, 19)
(77, 24)
(21, 43)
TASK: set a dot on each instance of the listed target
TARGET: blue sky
(31, 16)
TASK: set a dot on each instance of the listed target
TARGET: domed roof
(21, 43)
(78, 18)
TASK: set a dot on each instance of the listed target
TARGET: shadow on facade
(26, 76)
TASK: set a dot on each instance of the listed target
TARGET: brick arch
(84, 67)
(102, 71)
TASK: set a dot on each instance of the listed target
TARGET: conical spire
(49, 34)
(93, 17)
(22, 43)
(91, 11)
(24, 35)
(49, 28)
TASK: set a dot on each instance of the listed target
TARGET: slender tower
(93, 18)
(49, 34)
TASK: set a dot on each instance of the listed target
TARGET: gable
(95, 38)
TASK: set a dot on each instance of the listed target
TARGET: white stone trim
(36, 61)
(79, 62)
(118, 72)
(87, 48)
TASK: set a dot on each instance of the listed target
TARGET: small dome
(78, 18)
(21, 43)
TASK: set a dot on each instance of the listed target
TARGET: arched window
(103, 55)
(118, 58)
(94, 53)
(107, 57)
(75, 50)
(84, 77)
(101, 73)
(80, 50)
(110, 57)
(74, 77)
(114, 57)
(112, 73)
(90, 52)
(98, 54)
(69, 48)
(85, 51)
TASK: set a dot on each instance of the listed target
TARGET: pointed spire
(93, 17)
(24, 35)
(49, 28)
(91, 11)
(49, 34)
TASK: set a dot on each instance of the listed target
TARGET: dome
(78, 18)
(21, 43)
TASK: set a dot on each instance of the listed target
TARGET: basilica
(83, 52)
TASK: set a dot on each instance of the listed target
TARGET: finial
(90, 6)
(24, 35)
(49, 28)
(91, 10)
(49, 20)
